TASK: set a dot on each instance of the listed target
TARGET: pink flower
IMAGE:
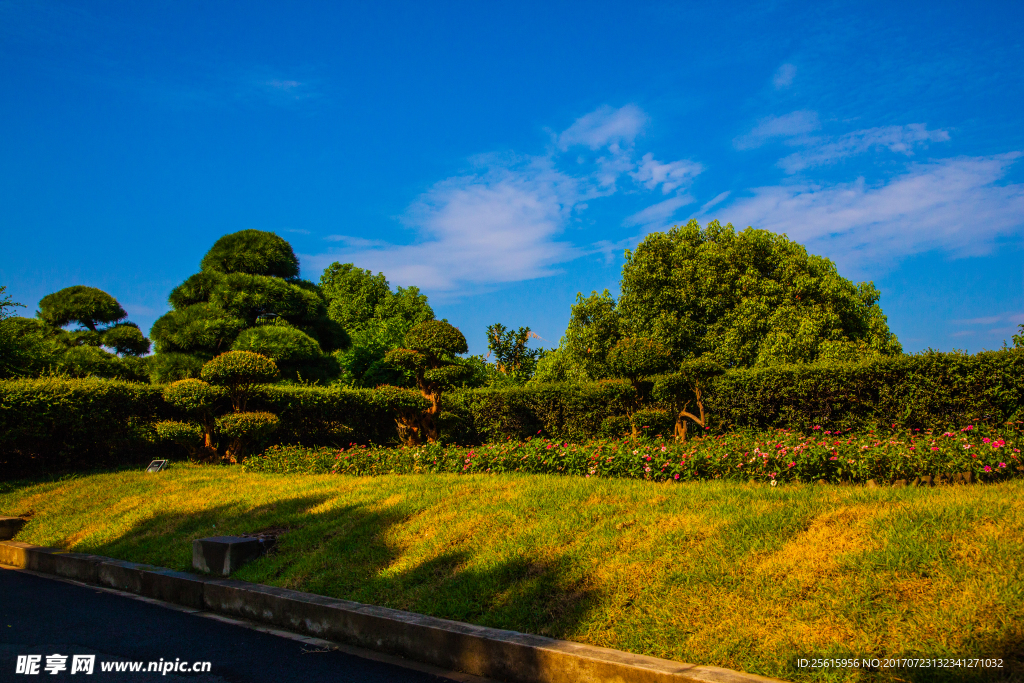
(935, 448)
(792, 464)
(677, 476)
(833, 458)
(549, 447)
(1002, 464)
(986, 439)
(816, 427)
(987, 468)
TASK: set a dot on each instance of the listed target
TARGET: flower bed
(774, 457)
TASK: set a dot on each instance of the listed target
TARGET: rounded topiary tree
(635, 359)
(295, 353)
(86, 306)
(248, 279)
(239, 372)
(254, 252)
(103, 343)
(429, 352)
(198, 400)
(243, 429)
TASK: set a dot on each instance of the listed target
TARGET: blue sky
(502, 157)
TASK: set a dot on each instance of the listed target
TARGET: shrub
(240, 372)
(244, 430)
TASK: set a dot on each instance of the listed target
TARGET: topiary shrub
(197, 399)
(244, 430)
(239, 372)
(430, 349)
(254, 252)
(296, 354)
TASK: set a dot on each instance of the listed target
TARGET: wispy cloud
(658, 213)
(958, 205)
(784, 76)
(504, 222)
(899, 139)
(500, 225)
(1007, 324)
(787, 127)
(670, 176)
(605, 126)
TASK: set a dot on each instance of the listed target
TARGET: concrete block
(9, 527)
(222, 555)
(124, 576)
(171, 586)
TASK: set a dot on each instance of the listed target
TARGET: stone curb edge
(479, 650)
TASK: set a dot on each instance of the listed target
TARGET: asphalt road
(40, 616)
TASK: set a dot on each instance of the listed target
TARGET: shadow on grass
(345, 552)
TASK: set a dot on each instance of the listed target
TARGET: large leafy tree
(377, 319)
(751, 298)
(248, 297)
(740, 299)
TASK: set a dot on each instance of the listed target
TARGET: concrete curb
(493, 653)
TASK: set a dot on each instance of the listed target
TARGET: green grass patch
(739, 575)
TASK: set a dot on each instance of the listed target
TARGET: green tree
(17, 353)
(100, 318)
(102, 345)
(744, 299)
(248, 282)
(377, 319)
(236, 375)
(1018, 339)
(512, 357)
(684, 388)
(430, 354)
(582, 356)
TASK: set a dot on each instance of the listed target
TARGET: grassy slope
(741, 576)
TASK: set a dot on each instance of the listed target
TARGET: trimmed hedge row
(930, 390)
(54, 425)
(58, 424)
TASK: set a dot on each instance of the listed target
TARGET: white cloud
(605, 126)
(899, 139)
(501, 225)
(718, 199)
(957, 205)
(671, 175)
(783, 78)
(792, 125)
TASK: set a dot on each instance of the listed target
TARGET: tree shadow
(345, 552)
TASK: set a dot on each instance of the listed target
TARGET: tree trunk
(680, 431)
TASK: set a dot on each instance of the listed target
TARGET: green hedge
(53, 425)
(931, 390)
(317, 416)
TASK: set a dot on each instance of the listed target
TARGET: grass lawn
(744, 576)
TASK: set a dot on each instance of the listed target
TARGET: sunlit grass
(742, 576)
